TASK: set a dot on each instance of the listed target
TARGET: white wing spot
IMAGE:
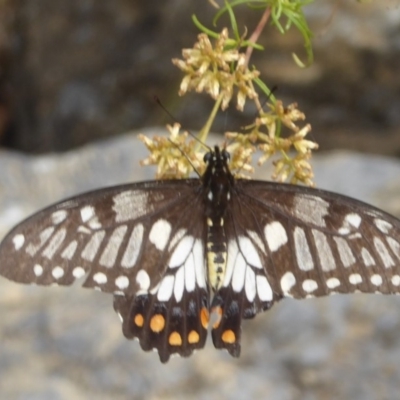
(69, 251)
(383, 253)
(57, 272)
(288, 280)
(78, 272)
(177, 237)
(238, 276)
(353, 220)
(159, 234)
(383, 225)
(38, 270)
(190, 274)
(87, 213)
(133, 247)
(94, 223)
(257, 240)
(345, 253)
(250, 284)
(198, 259)
(376, 280)
(324, 251)
(131, 204)
(110, 253)
(54, 243)
(350, 222)
(249, 251)
(367, 258)
(355, 279)
(356, 235)
(275, 235)
(91, 248)
(309, 285)
(394, 245)
(181, 252)
(32, 249)
(83, 229)
(154, 290)
(264, 290)
(332, 283)
(179, 284)
(100, 278)
(18, 241)
(166, 287)
(395, 280)
(310, 209)
(303, 254)
(58, 216)
(143, 280)
(122, 282)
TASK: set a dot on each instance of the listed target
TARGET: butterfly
(180, 255)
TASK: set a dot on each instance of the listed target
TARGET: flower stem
(207, 126)
(257, 32)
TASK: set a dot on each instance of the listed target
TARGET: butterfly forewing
(164, 247)
(107, 236)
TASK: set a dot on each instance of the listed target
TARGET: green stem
(207, 126)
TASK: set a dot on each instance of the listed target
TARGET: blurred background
(79, 70)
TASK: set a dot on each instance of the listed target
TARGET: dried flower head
(174, 157)
(296, 169)
(217, 70)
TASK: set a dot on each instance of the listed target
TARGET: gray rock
(66, 343)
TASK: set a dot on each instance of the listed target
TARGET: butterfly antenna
(186, 156)
(271, 93)
(158, 101)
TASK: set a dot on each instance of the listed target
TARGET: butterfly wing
(143, 242)
(292, 241)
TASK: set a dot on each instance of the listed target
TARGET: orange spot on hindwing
(175, 339)
(139, 320)
(204, 317)
(193, 337)
(228, 336)
(157, 323)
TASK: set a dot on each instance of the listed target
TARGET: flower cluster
(267, 129)
(217, 70)
(174, 157)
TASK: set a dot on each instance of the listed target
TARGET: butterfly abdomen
(216, 252)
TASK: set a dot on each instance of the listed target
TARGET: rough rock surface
(66, 343)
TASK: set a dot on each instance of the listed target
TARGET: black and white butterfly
(175, 252)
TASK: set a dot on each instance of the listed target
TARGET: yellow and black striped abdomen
(216, 252)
